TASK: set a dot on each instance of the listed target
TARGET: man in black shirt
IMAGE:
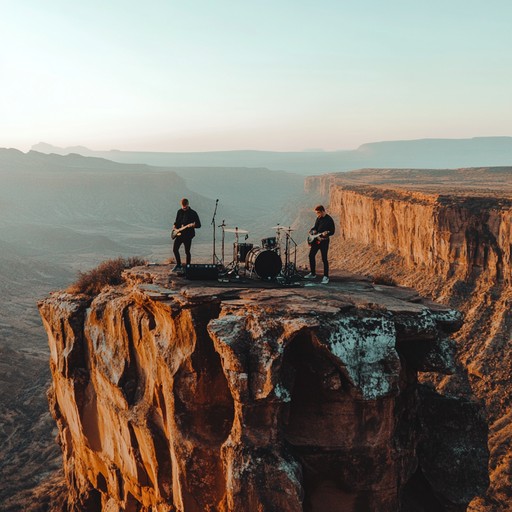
(187, 219)
(323, 228)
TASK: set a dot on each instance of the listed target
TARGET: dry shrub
(384, 279)
(107, 273)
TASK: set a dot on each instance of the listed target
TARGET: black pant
(323, 247)
(187, 242)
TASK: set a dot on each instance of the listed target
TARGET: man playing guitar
(183, 231)
(319, 241)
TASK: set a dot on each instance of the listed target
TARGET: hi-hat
(282, 227)
(236, 230)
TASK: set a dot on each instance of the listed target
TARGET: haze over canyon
(440, 227)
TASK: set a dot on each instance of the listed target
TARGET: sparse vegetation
(384, 279)
(106, 273)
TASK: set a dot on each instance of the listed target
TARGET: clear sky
(198, 75)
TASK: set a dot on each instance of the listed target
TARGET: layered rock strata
(448, 234)
(452, 237)
(176, 397)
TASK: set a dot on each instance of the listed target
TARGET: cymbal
(236, 230)
(283, 228)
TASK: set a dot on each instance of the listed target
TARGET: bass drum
(264, 263)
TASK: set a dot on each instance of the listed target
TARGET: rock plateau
(172, 396)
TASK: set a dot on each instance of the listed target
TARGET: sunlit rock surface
(174, 396)
(448, 234)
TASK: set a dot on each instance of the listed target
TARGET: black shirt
(184, 217)
(324, 223)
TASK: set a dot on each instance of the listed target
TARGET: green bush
(107, 273)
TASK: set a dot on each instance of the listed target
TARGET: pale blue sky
(201, 75)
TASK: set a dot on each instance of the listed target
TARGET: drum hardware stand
(235, 247)
(278, 239)
(233, 269)
(222, 226)
(278, 229)
(289, 271)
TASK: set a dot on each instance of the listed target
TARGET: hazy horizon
(197, 76)
(137, 149)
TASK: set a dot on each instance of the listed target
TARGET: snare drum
(264, 263)
(241, 251)
(269, 243)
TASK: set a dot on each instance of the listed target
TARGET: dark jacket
(184, 217)
(324, 223)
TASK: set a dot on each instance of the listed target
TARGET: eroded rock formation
(448, 234)
(176, 397)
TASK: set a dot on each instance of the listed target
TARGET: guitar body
(315, 239)
(177, 232)
(318, 238)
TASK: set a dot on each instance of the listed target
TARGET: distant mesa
(43, 147)
(421, 153)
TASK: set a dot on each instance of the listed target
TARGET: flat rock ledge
(173, 395)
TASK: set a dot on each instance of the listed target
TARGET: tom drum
(241, 251)
(269, 243)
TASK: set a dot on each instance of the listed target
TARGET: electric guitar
(177, 232)
(316, 239)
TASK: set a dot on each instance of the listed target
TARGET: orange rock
(448, 234)
(198, 398)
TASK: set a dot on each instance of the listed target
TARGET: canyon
(64, 214)
(448, 234)
(179, 396)
(445, 233)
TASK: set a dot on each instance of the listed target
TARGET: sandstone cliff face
(453, 238)
(193, 398)
(456, 248)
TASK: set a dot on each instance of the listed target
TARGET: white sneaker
(324, 280)
(310, 276)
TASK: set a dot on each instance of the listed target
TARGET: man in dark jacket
(184, 228)
(320, 233)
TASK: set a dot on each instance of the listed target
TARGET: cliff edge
(448, 234)
(173, 396)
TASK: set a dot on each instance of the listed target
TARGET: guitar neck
(185, 227)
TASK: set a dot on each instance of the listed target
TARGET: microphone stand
(214, 255)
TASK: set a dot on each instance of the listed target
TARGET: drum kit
(264, 261)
